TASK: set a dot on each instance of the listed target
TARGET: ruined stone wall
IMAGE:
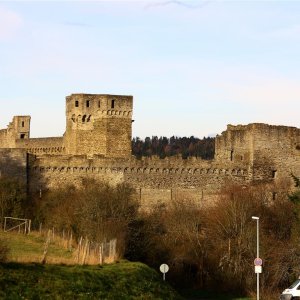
(272, 152)
(97, 144)
(156, 180)
(18, 128)
(40, 146)
(13, 163)
(276, 151)
(234, 144)
(4, 140)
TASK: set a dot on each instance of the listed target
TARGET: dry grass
(29, 248)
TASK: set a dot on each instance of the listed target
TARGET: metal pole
(257, 242)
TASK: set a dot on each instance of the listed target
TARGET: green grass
(123, 280)
(24, 278)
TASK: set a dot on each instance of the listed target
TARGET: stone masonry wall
(40, 146)
(13, 163)
(156, 180)
(97, 144)
(98, 125)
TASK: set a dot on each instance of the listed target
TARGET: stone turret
(98, 125)
(18, 129)
(21, 127)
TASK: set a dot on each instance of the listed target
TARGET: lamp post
(257, 252)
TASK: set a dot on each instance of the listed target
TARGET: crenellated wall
(156, 180)
(97, 144)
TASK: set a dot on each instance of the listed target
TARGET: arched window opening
(76, 103)
(83, 118)
(112, 103)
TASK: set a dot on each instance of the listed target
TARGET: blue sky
(192, 66)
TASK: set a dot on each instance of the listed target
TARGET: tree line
(182, 146)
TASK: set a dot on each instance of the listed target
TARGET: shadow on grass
(208, 295)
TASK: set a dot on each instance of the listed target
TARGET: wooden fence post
(85, 251)
(101, 254)
(46, 246)
(70, 242)
(79, 248)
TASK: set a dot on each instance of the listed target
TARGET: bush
(95, 210)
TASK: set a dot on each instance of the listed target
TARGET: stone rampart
(40, 146)
(13, 163)
(156, 180)
(97, 144)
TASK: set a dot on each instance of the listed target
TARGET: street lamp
(257, 251)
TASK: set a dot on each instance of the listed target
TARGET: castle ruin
(97, 144)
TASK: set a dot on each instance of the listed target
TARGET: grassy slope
(124, 280)
(118, 281)
(29, 248)
(22, 279)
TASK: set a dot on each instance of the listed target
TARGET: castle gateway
(97, 144)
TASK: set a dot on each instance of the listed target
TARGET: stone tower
(98, 125)
(21, 127)
(18, 129)
(269, 151)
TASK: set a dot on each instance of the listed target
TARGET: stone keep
(97, 144)
(98, 125)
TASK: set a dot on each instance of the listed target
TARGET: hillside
(117, 281)
(20, 278)
(29, 248)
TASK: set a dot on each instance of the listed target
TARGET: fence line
(85, 250)
(22, 222)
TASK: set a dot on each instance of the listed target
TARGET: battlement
(97, 144)
(96, 124)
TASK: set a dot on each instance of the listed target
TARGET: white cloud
(10, 22)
